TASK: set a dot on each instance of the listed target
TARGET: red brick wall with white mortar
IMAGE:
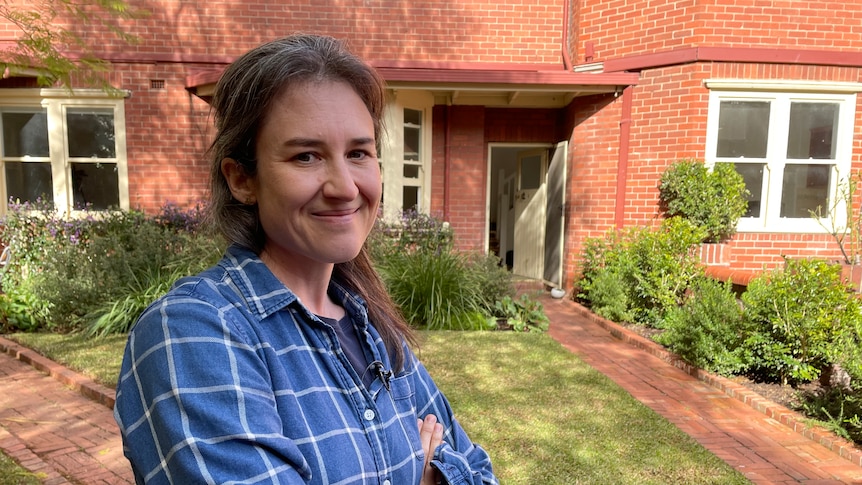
(168, 130)
(620, 28)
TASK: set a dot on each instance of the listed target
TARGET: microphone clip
(384, 374)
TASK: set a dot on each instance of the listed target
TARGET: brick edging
(793, 420)
(84, 385)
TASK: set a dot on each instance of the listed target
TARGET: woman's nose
(340, 182)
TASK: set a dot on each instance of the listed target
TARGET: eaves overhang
(492, 86)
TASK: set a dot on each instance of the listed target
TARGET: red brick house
(528, 125)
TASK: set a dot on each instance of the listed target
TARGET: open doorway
(503, 194)
(526, 208)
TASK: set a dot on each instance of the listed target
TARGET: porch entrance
(527, 209)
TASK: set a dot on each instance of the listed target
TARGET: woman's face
(318, 184)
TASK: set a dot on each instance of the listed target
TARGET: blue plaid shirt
(230, 379)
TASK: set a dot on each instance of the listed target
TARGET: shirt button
(369, 414)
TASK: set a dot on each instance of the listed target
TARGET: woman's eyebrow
(313, 142)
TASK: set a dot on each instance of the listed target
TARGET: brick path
(48, 425)
(760, 444)
(51, 428)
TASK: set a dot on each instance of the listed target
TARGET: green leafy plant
(800, 319)
(524, 314)
(435, 286)
(434, 291)
(63, 269)
(640, 273)
(707, 329)
(838, 410)
(713, 199)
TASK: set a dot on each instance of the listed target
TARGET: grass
(98, 358)
(13, 474)
(542, 414)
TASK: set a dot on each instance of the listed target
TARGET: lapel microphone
(384, 374)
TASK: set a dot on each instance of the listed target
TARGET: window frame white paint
(392, 151)
(781, 94)
(56, 102)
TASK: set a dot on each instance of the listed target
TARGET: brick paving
(59, 424)
(51, 428)
(764, 441)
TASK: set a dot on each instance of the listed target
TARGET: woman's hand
(431, 435)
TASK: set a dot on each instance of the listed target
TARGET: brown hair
(243, 98)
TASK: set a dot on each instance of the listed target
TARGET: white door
(530, 201)
(556, 216)
(505, 212)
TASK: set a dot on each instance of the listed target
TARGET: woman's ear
(241, 185)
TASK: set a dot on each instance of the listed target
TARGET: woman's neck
(308, 280)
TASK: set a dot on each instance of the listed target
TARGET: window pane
(411, 144)
(91, 133)
(412, 134)
(29, 181)
(752, 174)
(531, 172)
(410, 198)
(813, 131)
(743, 129)
(411, 171)
(95, 185)
(413, 117)
(805, 188)
(25, 134)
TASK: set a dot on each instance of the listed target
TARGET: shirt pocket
(404, 401)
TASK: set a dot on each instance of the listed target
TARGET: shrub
(435, 286)
(434, 291)
(711, 199)
(494, 280)
(414, 231)
(67, 268)
(707, 331)
(608, 297)
(800, 319)
(651, 267)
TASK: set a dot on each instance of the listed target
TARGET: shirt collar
(265, 294)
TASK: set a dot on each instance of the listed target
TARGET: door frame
(491, 179)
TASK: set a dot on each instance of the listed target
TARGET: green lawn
(12, 474)
(544, 416)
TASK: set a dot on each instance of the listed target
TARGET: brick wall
(619, 28)
(468, 166)
(592, 184)
(168, 130)
(518, 31)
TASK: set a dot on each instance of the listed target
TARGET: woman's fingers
(431, 435)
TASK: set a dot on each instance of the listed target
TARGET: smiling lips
(336, 213)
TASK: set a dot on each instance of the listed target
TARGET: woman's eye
(307, 157)
(357, 154)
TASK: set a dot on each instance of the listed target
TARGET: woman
(287, 362)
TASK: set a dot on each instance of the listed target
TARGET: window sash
(782, 168)
(85, 150)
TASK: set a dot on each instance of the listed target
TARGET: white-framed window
(792, 143)
(65, 148)
(406, 152)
